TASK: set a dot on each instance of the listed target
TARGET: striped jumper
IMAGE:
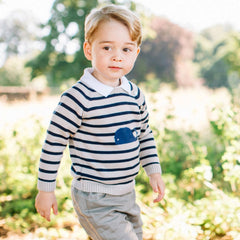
(108, 135)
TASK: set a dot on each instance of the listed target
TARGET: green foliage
(233, 54)
(201, 201)
(194, 207)
(161, 55)
(17, 34)
(184, 156)
(217, 74)
(216, 55)
(167, 51)
(202, 179)
(222, 216)
(62, 58)
(13, 73)
(211, 64)
(20, 149)
(227, 128)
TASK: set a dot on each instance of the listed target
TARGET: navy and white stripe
(108, 136)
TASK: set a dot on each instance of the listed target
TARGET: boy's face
(112, 52)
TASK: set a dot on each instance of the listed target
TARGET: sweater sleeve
(148, 151)
(66, 119)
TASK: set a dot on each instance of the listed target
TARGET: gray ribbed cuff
(45, 186)
(153, 168)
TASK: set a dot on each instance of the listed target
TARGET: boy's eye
(127, 50)
(107, 48)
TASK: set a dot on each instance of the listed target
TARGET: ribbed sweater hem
(90, 186)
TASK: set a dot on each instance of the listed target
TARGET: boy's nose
(117, 59)
(117, 56)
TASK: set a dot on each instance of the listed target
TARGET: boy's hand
(157, 185)
(44, 202)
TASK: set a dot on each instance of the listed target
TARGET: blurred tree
(13, 72)
(62, 57)
(216, 75)
(217, 32)
(17, 34)
(166, 52)
(232, 56)
(213, 47)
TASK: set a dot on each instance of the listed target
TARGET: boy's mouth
(115, 67)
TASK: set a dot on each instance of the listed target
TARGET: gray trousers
(108, 217)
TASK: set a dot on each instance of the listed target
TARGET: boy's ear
(87, 50)
(138, 50)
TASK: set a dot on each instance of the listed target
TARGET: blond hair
(121, 14)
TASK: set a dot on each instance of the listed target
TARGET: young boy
(104, 120)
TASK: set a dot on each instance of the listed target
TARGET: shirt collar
(101, 88)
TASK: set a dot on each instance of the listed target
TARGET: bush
(13, 73)
(199, 203)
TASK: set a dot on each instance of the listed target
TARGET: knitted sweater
(108, 135)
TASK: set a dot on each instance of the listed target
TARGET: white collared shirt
(100, 87)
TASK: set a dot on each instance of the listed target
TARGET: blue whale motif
(124, 135)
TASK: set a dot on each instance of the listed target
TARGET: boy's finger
(158, 199)
(162, 191)
(160, 196)
(154, 187)
(47, 217)
(55, 209)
